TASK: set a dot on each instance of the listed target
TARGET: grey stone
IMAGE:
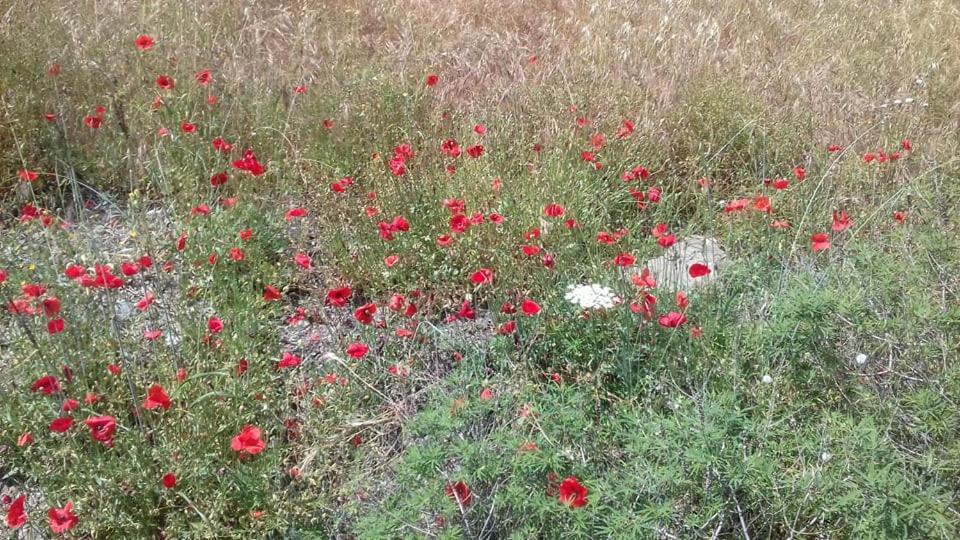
(671, 270)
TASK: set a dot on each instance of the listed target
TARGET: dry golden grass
(837, 60)
(825, 71)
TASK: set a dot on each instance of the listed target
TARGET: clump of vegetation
(286, 272)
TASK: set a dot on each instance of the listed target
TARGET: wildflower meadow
(664, 269)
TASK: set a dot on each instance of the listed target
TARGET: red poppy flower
(26, 175)
(48, 385)
(459, 493)
(113, 369)
(626, 128)
(294, 213)
(33, 290)
(249, 164)
(157, 397)
(486, 394)
(624, 259)
(530, 251)
(102, 428)
(450, 148)
(364, 314)
(672, 320)
(339, 297)
(55, 326)
(396, 302)
(145, 302)
(165, 82)
(61, 425)
(553, 210)
(667, 240)
(699, 270)
(820, 242)
(357, 350)
(271, 294)
(432, 79)
(129, 269)
(800, 173)
(181, 243)
(483, 276)
(215, 325)
(62, 519)
(529, 307)
(475, 151)
(202, 77)
(736, 205)
(762, 204)
(143, 42)
(24, 439)
(93, 122)
(644, 279)
(169, 480)
(248, 441)
(572, 493)
(507, 328)
(236, 255)
(780, 224)
(459, 223)
(899, 216)
(391, 260)
(188, 127)
(397, 166)
(16, 517)
(221, 145)
(302, 260)
(466, 312)
(288, 360)
(841, 222)
(906, 145)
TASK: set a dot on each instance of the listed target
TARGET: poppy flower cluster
(249, 163)
(402, 153)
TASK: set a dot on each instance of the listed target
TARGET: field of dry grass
(830, 64)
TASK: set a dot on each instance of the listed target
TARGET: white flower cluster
(592, 296)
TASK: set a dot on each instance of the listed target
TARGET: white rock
(672, 269)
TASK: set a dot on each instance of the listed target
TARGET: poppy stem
(124, 364)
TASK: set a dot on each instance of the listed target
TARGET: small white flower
(861, 359)
(767, 379)
(826, 456)
(592, 296)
